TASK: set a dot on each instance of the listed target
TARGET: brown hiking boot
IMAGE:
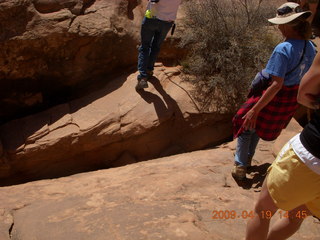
(239, 172)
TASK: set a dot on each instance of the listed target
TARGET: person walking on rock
(159, 19)
(293, 181)
(265, 115)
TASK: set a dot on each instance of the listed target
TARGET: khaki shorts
(291, 183)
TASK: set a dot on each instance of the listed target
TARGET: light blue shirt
(286, 57)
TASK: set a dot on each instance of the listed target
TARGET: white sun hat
(288, 12)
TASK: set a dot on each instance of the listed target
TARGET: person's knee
(156, 47)
(265, 210)
(265, 206)
(144, 48)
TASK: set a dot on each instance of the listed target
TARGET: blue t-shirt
(286, 57)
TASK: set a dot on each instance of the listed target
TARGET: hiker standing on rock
(159, 19)
(266, 114)
(293, 180)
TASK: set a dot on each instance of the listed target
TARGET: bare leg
(287, 226)
(258, 226)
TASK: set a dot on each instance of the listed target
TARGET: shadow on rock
(166, 107)
(256, 177)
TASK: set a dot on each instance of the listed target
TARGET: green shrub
(228, 42)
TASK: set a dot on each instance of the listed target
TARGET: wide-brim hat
(288, 12)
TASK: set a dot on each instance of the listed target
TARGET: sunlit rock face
(111, 127)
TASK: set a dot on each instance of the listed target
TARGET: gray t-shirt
(165, 10)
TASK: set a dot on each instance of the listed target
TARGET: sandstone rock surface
(167, 198)
(110, 127)
(52, 50)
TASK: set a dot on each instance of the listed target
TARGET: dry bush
(228, 42)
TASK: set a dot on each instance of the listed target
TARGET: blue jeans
(153, 33)
(246, 146)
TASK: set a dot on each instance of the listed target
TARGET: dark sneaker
(142, 83)
(239, 172)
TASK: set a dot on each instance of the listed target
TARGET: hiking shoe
(239, 172)
(142, 83)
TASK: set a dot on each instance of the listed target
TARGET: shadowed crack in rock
(10, 230)
(12, 218)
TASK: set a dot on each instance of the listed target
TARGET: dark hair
(302, 27)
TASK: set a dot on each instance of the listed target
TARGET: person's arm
(309, 89)
(251, 117)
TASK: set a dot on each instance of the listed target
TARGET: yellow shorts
(291, 183)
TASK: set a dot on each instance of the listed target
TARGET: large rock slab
(110, 127)
(167, 198)
(50, 49)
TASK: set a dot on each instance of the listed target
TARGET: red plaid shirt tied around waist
(272, 118)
